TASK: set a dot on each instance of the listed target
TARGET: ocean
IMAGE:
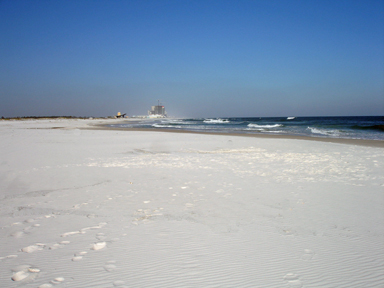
(370, 127)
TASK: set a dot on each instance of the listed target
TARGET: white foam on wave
(327, 132)
(216, 121)
(267, 131)
(157, 125)
(274, 131)
(180, 122)
(251, 125)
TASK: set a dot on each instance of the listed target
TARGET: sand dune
(105, 208)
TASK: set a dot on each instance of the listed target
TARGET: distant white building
(157, 111)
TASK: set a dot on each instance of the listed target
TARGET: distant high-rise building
(157, 111)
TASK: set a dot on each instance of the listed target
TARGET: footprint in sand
(15, 224)
(19, 276)
(288, 232)
(24, 273)
(100, 236)
(79, 256)
(119, 283)
(29, 220)
(8, 257)
(55, 246)
(293, 280)
(29, 228)
(110, 266)
(17, 234)
(61, 244)
(70, 233)
(308, 255)
(31, 248)
(84, 230)
(77, 206)
(98, 246)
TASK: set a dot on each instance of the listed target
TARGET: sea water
(370, 127)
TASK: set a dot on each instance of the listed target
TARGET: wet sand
(360, 142)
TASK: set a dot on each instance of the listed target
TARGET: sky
(243, 58)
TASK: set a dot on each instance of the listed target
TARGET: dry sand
(108, 208)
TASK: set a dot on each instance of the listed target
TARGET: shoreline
(360, 142)
(103, 124)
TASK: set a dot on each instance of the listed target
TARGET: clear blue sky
(200, 58)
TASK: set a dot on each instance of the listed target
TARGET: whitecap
(165, 126)
(216, 121)
(251, 125)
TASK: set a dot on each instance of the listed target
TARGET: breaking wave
(251, 125)
(157, 125)
(333, 127)
(326, 132)
(216, 121)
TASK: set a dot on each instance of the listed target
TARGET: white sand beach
(111, 208)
